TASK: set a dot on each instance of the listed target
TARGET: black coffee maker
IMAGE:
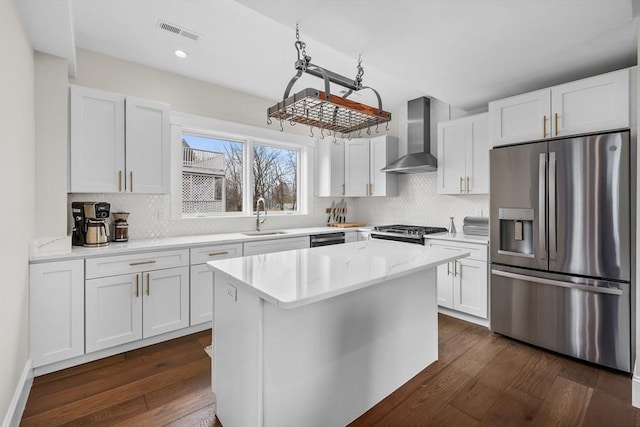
(90, 223)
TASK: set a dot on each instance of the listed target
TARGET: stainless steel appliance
(327, 239)
(560, 246)
(90, 223)
(404, 233)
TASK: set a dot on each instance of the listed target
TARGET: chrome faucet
(264, 209)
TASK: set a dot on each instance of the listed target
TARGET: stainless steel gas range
(404, 233)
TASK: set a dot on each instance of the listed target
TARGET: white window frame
(248, 135)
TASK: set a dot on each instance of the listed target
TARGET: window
(214, 172)
(275, 177)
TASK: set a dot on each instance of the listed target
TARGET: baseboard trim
(635, 386)
(464, 316)
(20, 396)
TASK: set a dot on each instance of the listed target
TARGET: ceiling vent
(176, 29)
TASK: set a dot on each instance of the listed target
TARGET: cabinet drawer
(275, 245)
(478, 252)
(135, 263)
(210, 253)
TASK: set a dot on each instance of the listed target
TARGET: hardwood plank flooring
(481, 379)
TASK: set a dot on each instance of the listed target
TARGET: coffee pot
(90, 223)
(97, 233)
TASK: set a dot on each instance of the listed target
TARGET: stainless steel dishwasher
(327, 239)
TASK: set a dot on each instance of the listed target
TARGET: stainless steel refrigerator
(560, 246)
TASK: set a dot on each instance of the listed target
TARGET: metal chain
(360, 72)
(300, 45)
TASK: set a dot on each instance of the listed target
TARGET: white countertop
(459, 237)
(295, 278)
(178, 242)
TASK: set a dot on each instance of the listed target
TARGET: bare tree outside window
(220, 179)
(275, 177)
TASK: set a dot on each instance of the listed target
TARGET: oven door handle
(559, 283)
(327, 239)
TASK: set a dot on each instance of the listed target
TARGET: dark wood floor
(480, 379)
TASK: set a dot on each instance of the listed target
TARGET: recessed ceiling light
(180, 53)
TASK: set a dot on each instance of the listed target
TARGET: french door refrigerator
(561, 246)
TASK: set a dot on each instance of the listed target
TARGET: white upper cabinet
(382, 151)
(106, 158)
(520, 118)
(356, 167)
(463, 155)
(97, 141)
(352, 168)
(329, 168)
(593, 104)
(147, 146)
(589, 105)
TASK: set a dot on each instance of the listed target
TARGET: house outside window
(214, 176)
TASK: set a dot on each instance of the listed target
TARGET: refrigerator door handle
(552, 207)
(562, 284)
(542, 206)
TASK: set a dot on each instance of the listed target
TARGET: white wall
(17, 202)
(51, 92)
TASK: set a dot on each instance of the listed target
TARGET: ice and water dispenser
(516, 232)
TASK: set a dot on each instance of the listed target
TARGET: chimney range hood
(418, 158)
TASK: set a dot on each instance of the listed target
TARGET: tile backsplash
(150, 217)
(418, 203)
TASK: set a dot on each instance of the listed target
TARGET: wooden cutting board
(346, 224)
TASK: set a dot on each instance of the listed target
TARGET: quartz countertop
(459, 237)
(296, 278)
(179, 242)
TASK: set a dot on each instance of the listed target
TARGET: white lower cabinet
(202, 278)
(56, 311)
(463, 284)
(142, 303)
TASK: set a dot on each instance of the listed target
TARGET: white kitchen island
(316, 337)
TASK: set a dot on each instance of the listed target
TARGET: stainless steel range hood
(418, 158)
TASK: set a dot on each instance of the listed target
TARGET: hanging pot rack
(323, 110)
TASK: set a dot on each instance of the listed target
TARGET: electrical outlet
(232, 292)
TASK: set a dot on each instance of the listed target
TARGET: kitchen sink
(263, 233)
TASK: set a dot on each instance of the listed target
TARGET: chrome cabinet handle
(137, 286)
(455, 268)
(468, 184)
(120, 180)
(460, 184)
(556, 124)
(148, 284)
(544, 126)
(131, 181)
(448, 269)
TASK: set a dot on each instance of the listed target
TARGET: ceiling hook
(387, 127)
(377, 131)
(269, 121)
(281, 127)
(321, 133)
(359, 132)
(369, 130)
(311, 130)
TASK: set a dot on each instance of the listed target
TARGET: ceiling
(463, 52)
